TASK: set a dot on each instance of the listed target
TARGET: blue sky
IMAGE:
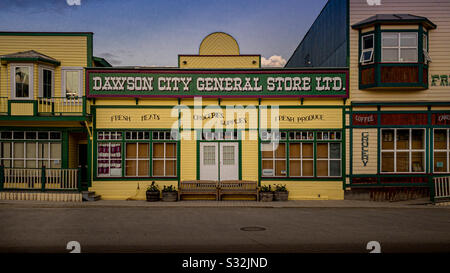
(154, 32)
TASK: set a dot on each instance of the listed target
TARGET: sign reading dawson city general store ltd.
(214, 83)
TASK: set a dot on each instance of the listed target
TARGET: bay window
(367, 49)
(22, 81)
(399, 47)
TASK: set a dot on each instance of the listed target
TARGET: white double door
(219, 161)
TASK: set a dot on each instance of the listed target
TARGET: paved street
(207, 229)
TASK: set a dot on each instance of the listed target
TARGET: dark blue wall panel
(325, 44)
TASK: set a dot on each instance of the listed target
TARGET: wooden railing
(62, 105)
(39, 179)
(441, 189)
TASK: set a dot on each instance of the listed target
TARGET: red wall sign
(440, 119)
(364, 119)
(404, 119)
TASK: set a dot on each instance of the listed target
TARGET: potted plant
(265, 194)
(281, 193)
(169, 194)
(152, 192)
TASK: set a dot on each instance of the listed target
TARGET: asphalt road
(295, 230)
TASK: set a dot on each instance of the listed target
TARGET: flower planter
(280, 196)
(265, 196)
(152, 196)
(169, 196)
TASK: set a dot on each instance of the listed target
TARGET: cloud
(111, 58)
(273, 61)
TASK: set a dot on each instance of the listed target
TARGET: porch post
(2, 176)
(43, 178)
(79, 178)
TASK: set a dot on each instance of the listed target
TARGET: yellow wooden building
(218, 116)
(44, 114)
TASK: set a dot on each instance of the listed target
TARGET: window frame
(409, 151)
(121, 137)
(63, 80)
(314, 141)
(399, 47)
(447, 151)
(364, 50)
(41, 81)
(45, 160)
(30, 67)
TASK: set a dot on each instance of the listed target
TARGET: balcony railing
(40, 179)
(62, 106)
(45, 106)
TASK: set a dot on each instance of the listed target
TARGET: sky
(155, 32)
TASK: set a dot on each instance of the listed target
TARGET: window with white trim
(367, 49)
(30, 149)
(441, 150)
(301, 154)
(109, 153)
(398, 47)
(72, 82)
(22, 81)
(403, 150)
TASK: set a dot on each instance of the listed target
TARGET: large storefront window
(441, 150)
(402, 150)
(31, 149)
(305, 154)
(146, 154)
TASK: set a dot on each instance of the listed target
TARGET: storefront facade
(397, 113)
(217, 117)
(44, 114)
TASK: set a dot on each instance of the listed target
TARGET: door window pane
(209, 155)
(228, 155)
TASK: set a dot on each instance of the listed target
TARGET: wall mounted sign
(214, 83)
(364, 119)
(440, 80)
(365, 148)
(440, 119)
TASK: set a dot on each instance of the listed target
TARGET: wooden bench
(238, 187)
(198, 187)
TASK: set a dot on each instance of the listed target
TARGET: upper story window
(399, 47)
(72, 82)
(46, 82)
(22, 81)
(367, 49)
